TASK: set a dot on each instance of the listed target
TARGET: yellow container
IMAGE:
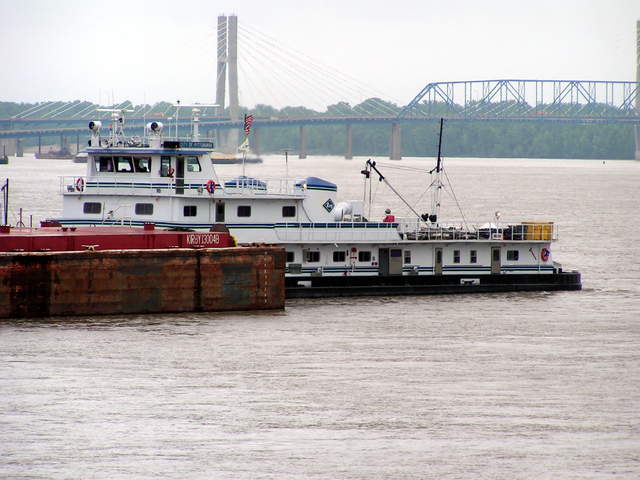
(538, 230)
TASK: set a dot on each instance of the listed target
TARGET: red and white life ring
(80, 184)
(170, 172)
(545, 254)
(210, 186)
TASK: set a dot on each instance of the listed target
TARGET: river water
(492, 386)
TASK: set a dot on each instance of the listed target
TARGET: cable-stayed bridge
(333, 98)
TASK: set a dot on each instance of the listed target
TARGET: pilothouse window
(193, 165)
(142, 164)
(104, 164)
(124, 164)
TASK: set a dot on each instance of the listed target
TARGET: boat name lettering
(203, 239)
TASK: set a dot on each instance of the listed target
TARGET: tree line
(526, 139)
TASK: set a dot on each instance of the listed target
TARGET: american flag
(248, 121)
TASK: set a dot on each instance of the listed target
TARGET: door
(495, 259)
(219, 212)
(395, 261)
(383, 261)
(179, 175)
(437, 263)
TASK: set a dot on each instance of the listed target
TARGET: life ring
(545, 254)
(210, 186)
(80, 184)
(170, 172)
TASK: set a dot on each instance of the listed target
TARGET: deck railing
(415, 229)
(142, 184)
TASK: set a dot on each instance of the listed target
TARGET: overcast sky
(165, 50)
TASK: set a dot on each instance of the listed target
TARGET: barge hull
(110, 282)
(352, 286)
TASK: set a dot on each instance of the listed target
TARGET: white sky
(166, 49)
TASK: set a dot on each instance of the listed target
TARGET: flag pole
(248, 121)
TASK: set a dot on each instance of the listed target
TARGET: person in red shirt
(389, 217)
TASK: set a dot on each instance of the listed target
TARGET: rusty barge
(55, 271)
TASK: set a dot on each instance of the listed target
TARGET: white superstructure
(173, 184)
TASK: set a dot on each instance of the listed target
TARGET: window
(312, 257)
(289, 211)
(190, 210)
(92, 207)
(144, 208)
(339, 257)
(456, 256)
(123, 164)
(407, 257)
(244, 210)
(193, 165)
(165, 164)
(513, 255)
(104, 164)
(364, 256)
(291, 257)
(142, 164)
(473, 256)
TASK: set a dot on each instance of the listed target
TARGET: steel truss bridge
(569, 101)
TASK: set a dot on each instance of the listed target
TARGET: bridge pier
(302, 151)
(19, 147)
(394, 144)
(348, 155)
(39, 144)
(8, 146)
(77, 144)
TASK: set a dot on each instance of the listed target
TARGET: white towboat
(332, 249)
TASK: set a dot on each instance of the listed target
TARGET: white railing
(338, 231)
(143, 185)
(415, 229)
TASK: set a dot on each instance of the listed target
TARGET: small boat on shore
(51, 154)
(230, 159)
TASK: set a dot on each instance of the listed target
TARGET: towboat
(332, 247)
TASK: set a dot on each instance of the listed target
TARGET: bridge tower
(228, 71)
(637, 127)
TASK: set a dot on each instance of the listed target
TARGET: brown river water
(490, 386)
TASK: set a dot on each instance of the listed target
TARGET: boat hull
(351, 286)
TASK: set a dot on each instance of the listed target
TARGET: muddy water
(499, 386)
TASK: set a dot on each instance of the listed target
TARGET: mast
(437, 182)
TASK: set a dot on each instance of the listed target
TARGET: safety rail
(416, 229)
(144, 185)
(337, 231)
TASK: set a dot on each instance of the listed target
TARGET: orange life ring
(545, 254)
(170, 172)
(210, 186)
(80, 184)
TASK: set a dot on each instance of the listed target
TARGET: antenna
(195, 116)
